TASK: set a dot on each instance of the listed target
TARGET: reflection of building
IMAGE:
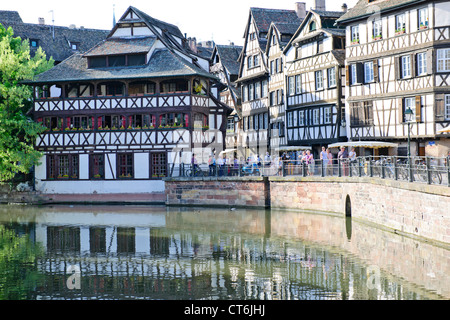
(398, 58)
(126, 113)
(57, 42)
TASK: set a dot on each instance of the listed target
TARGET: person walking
(343, 158)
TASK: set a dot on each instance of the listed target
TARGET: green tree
(17, 131)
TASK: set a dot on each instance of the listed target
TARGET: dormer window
(34, 43)
(117, 61)
(74, 46)
(312, 26)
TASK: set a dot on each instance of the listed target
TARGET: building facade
(126, 113)
(315, 82)
(398, 62)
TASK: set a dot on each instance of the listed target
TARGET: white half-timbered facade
(127, 113)
(278, 37)
(398, 58)
(225, 66)
(314, 82)
(254, 76)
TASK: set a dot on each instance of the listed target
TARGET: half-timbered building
(225, 66)
(126, 113)
(279, 35)
(398, 62)
(254, 76)
(314, 82)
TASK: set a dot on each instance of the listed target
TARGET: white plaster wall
(100, 187)
(84, 166)
(141, 165)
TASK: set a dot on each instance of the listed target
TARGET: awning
(445, 130)
(293, 148)
(227, 151)
(364, 144)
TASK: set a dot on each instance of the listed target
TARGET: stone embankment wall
(417, 210)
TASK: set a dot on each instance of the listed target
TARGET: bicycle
(195, 172)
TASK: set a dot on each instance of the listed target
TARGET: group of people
(222, 165)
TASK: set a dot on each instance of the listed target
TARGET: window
(256, 60)
(376, 30)
(319, 46)
(244, 93)
(316, 116)
(319, 80)
(290, 119)
(355, 34)
(301, 118)
(291, 85)
(298, 84)
(443, 60)
(312, 26)
(368, 72)
(400, 23)
(63, 167)
(423, 18)
(250, 62)
(272, 98)
(264, 89)
(136, 60)
(447, 107)
(256, 121)
(327, 114)
(125, 165)
(406, 66)
(409, 103)
(97, 166)
(361, 114)
(175, 120)
(251, 91)
(272, 67)
(257, 90)
(74, 45)
(421, 63)
(353, 74)
(331, 77)
(34, 43)
(158, 165)
(173, 86)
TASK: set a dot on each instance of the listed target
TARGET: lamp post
(408, 118)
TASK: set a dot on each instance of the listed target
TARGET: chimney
(320, 5)
(344, 7)
(300, 9)
(41, 21)
(193, 43)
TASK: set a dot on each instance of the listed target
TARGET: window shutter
(400, 110)
(439, 107)
(412, 60)
(375, 70)
(397, 69)
(418, 109)
(347, 75)
(430, 64)
(359, 73)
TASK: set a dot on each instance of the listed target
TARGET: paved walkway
(122, 198)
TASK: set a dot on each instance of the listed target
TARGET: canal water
(142, 252)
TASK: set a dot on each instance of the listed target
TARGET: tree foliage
(17, 131)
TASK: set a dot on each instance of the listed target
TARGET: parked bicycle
(196, 172)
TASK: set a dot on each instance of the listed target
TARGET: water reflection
(176, 253)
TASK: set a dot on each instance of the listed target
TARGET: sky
(221, 21)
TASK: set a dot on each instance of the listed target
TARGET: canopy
(446, 129)
(227, 151)
(364, 144)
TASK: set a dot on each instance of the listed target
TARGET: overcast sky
(221, 21)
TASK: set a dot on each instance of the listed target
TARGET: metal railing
(414, 169)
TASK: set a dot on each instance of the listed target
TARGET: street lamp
(409, 114)
(408, 119)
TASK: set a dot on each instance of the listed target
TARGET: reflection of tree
(17, 265)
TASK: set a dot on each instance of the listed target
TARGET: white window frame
(264, 89)
(244, 93)
(377, 28)
(354, 34)
(331, 77)
(406, 66)
(295, 120)
(301, 117)
(251, 92)
(291, 85)
(368, 72)
(319, 79)
(257, 90)
(250, 62)
(290, 119)
(447, 107)
(327, 114)
(421, 59)
(423, 18)
(316, 116)
(353, 74)
(411, 103)
(400, 22)
(443, 60)
(298, 84)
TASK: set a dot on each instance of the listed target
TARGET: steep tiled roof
(163, 63)
(229, 57)
(122, 46)
(264, 17)
(363, 8)
(59, 46)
